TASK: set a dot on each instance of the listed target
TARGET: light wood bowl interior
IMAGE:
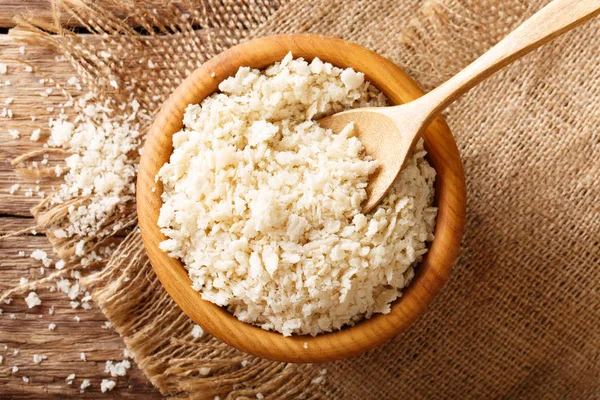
(431, 273)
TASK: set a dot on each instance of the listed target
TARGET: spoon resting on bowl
(390, 133)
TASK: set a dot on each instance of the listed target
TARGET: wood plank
(41, 9)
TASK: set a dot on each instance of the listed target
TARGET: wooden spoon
(389, 133)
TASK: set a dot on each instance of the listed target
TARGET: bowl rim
(430, 274)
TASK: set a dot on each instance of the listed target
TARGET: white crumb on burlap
(263, 205)
(197, 331)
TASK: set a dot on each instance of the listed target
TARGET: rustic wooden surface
(29, 332)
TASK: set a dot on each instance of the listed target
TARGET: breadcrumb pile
(262, 205)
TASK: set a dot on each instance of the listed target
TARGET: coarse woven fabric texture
(520, 315)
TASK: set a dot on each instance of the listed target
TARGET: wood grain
(41, 9)
(430, 275)
(27, 332)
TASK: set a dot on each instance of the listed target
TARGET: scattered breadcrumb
(77, 319)
(51, 310)
(106, 325)
(117, 369)
(82, 356)
(52, 326)
(37, 358)
(197, 331)
(70, 379)
(260, 396)
(99, 167)
(14, 369)
(127, 353)
(22, 50)
(305, 345)
(28, 68)
(14, 133)
(9, 100)
(42, 256)
(84, 385)
(32, 300)
(35, 135)
(204, 371)
(3, 69)
(25, 379)
(245, 363)
(14, 188)
(60, 264)
(107, 385)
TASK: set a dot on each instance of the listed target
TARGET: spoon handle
(557, 17)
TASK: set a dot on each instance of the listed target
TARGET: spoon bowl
(384, 138)
(430, 274)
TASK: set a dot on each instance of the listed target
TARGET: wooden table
(28, 331)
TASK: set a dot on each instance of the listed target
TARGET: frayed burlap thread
(519, 317)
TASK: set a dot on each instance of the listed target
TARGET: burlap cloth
(520, 316)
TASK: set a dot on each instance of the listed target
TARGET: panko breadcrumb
(262, 205)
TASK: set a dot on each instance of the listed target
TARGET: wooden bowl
(431, 273)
